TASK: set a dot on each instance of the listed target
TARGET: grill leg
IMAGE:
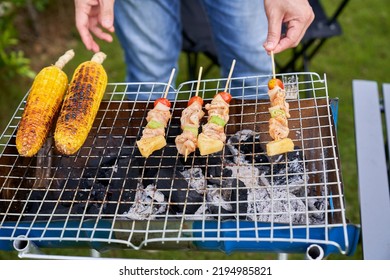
(282, 256)
(95, 253)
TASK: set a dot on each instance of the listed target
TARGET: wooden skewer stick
(196, 94)
(230, 75)
(169, 82)
(273, 65)
(199, 77)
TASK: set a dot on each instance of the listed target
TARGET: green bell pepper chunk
(217, 120)
(154, 124)
(191, 129)
(277, 112)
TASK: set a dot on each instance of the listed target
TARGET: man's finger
(274, 33)
(107, 14)
(293, 36)
(101, 34)
(82, 24)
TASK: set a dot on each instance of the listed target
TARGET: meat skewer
(278, 123)
(213, 137)
(153, 135)
(187, 142)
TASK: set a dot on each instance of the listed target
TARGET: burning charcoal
(239, 196)
(246, 150)
(224, 199)
(317, 210)
(219, 190)
(115, 175)
(93, 210)
(166, 156)
(60, 210)
(182, 196)
(101, 187)
(119, 168)
(85, 209)
(148, 203)
(275, 203)
(195, 178)
(82, 195)
(246, 173)
(215, 159)
(289, 172)
(245, 147)
(35, 203)
(218, 201)
(86, 182)
(100, 193)
(152, 192)
(123, 181)
(219, 176)
(203, 213)
(222, 192)
(268, 204)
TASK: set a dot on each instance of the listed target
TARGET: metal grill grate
(108, 195)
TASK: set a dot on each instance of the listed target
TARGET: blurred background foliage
(13, 63)
(34, 33)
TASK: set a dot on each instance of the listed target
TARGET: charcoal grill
(109, 196)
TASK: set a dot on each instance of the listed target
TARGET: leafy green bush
(13, 63)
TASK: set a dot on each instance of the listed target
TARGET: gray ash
(148, 203)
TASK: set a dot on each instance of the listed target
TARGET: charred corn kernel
(80, 105)
(43, 103)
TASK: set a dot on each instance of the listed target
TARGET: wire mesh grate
(108, 193)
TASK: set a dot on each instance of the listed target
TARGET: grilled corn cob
(42, 104)
(80, 105)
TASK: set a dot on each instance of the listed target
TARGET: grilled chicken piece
(186, 142)
(159, 114)
(215, 131)
(151, 132)
(278, 130)
(278, 98)
(191, 115)
(218, 107)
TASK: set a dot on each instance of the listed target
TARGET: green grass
(360, 53)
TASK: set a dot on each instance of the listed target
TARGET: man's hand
(297, 14)
(91, 17)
